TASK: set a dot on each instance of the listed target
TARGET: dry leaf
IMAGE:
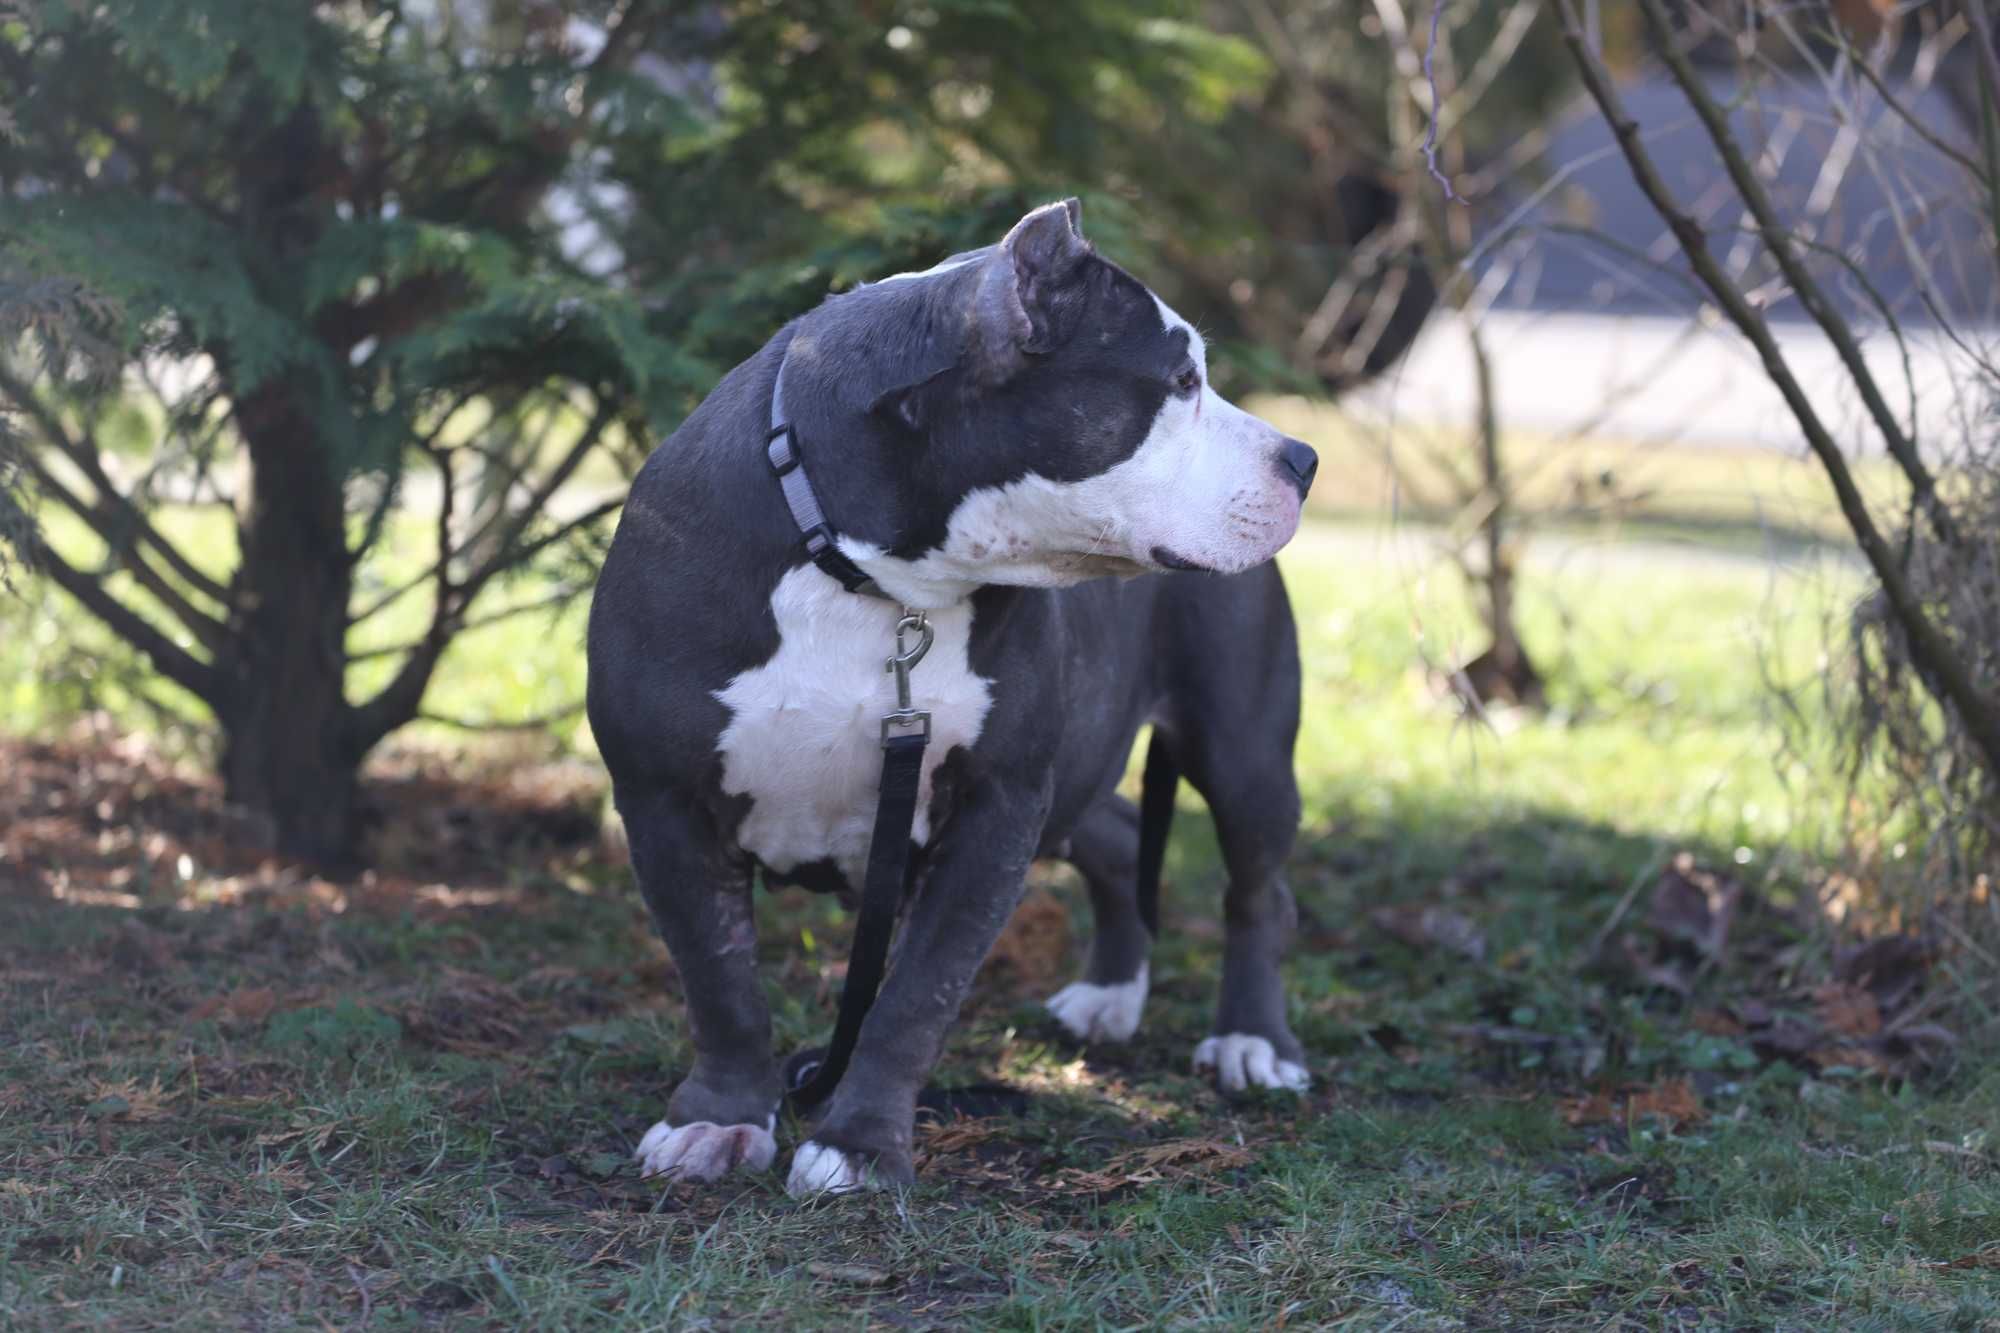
(1432, 928)
(1847, 1009)
(943, 1138)
(1034, 946)
(1184, 1155)
(1891, 967)
(1673, 1100)
(1716, 1023)
(1694, 906)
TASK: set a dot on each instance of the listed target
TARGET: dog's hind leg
(1236, 726)
(723, 1114)
(1105, 1004)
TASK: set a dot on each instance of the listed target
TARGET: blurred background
(1649, 592)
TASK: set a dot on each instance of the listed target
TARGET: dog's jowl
(1022, 444)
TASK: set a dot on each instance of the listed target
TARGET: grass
(241, 1097)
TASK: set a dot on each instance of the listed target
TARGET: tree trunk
(1503, 673)
(288, 753)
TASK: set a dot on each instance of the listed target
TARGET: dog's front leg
(722, 1116)
(977, 872)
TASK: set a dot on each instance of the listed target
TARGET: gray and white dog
(990, 439)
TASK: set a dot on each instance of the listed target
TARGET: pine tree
(376, 259)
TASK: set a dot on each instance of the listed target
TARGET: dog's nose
(1298, 462)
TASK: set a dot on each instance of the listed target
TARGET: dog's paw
(705, 1151)
(818, 1169)
(1100, 1013)
(1242, 1061)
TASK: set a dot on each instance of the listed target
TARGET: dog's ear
(1026, 289)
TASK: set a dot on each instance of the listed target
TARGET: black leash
(811, 1076)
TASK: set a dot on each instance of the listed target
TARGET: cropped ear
(1026, 287)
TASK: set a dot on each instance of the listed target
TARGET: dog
(1022, 444)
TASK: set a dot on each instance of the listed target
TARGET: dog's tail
(1157, 789)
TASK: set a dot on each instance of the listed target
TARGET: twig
(533, 722)
(1631, 895)
(1431, 133)
(1779, 241)
(1943, 673)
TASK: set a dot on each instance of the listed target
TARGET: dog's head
(1034, 415)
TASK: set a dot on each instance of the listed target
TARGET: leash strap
(906, 731)
(881, 893)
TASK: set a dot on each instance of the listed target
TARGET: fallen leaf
(1665, 975)
(941, 1137)
(1185, 1155)
(1695, 906)
(1673, 1101)
(1716, 1023)
(1586, 1110)
(1892, 967)
(1847, 1009)
(1033, 948)
(1432, 928)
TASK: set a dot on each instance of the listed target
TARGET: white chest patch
(804, 740)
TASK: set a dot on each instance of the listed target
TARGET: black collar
(781, 449)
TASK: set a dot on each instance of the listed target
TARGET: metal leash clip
(905, 719)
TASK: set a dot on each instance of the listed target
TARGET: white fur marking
(804, 739)
(1101, 1013)
(1241, 1061)
(704, 1150)
(818, 1169)
(1204, 484)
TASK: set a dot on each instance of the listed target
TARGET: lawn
(235, 1095)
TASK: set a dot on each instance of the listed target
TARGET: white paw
(818, 1169)
(1242, 1061)
(1100, 1013)
(705, 1151)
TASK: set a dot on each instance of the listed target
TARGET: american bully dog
(1022, 445)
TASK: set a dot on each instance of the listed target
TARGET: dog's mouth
(1167, 559)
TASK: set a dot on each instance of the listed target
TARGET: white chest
(804, 740)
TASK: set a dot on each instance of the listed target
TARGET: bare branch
(398, 701)
(169, 658)
(84, 454)
(1779, 241)
(533, 722)
(555, 601)
(123, 544)
(1941, 667)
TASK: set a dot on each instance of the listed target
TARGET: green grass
(428, 1117)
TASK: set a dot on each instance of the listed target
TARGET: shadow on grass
(295, 1102)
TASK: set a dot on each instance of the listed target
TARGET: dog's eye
(1189, 380)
